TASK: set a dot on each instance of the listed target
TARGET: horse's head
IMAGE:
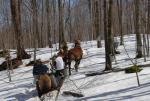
(61, 53)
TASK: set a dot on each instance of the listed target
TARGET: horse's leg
(69, 65)
(58, 90)
(42, 98)
(57, 94)
(79, 62)
(76, 65)
(38, 89)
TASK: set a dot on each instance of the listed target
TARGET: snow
(114, 86)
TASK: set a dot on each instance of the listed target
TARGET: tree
(70, 26)
(48, 24)
(35, 27)
(108, 34)
(61, 24)
(138, 36)
(16, 21)
(148, 27)
(120, 20)
(54, 22)
(97, 22)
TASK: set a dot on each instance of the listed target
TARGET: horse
(45, 84)
(74, 54)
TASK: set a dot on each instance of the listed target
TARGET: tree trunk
(70, 25)
(108, 35)
(16, 20)
(42, 25)
(54, 17)
(61, 24)
(49, 39)
(90, 6)
(35, 28)
(138, 36)
(97, 23)
(148, 27)
(120, 20)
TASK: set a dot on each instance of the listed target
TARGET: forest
(52, 20)
(28, 27)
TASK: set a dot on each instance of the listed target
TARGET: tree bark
(138, 36)
(97, 23)
(148, 28)
(61, 24)
(35, 28)
(120, 20)
(49, 39)
(16, 20)
(108, 35)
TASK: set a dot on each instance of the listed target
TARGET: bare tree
(138, 36)
(35, 27)
(54, 22)
(120, 20)
(48, 24)
(108, 34)
(97, 22)
(148, 26)
(70, 25)
(61, 24)
(16, 20)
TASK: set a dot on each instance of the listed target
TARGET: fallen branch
(15, 63)
(69, 93)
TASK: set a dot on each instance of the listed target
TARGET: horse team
(45, 83)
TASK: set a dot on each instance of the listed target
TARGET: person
(39, 69)
(58, 66)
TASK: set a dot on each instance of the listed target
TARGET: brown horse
(45, 84)
(74, 54)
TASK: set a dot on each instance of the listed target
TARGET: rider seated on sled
(39, 69)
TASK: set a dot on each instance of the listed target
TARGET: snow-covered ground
(115, 86)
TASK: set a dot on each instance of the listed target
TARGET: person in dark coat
(39, 69)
